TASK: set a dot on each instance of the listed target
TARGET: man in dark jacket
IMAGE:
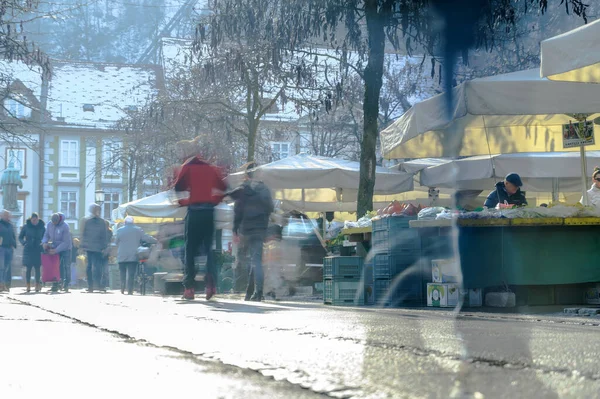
(31, 238)
(205, 186)
(9, 243)
(95, 241)
(252, 210)
(507, 193)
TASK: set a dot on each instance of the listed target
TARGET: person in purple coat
(57, 240)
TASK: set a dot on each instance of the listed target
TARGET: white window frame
(276, 150)
(109, 194)
(68, 190)
(107, 157)
(69, 153)
(17, 109)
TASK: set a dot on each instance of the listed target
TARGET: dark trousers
(254, 253)
(65, 271)
(6, 257)
(28, 274)
(199, 231)
(95, 264)
(128, 270)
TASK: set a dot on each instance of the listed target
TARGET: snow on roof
(30, 76)
(99, 94)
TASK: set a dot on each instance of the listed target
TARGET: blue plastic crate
(395, 240)
(343, 293)
(392, 223)
(406, 292)
(342, 267)
(388, 265)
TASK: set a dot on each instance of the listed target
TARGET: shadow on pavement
(231, 307)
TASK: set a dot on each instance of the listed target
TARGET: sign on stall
(578, 134)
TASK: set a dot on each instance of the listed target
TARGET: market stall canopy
(540, 172)
(160, 208)
(515, 112)
(573, 56)
(304, 171)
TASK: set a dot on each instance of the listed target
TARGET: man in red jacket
(206, 189)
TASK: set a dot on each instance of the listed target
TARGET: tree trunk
(373, 82)
(252, 133)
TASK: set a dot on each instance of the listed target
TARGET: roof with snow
(99, 94)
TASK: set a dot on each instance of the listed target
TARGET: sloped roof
(109, 88)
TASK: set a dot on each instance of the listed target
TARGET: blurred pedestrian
(8, 243)
(252, 210)
(129, 238)
(206, 187)
(57, 240)
(31, 236)
(95, 241)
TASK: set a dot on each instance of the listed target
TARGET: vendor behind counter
(507, 192)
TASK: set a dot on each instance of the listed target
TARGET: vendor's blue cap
(514, 178)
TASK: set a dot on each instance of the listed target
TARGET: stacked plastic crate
(343, 283)
(397, 271)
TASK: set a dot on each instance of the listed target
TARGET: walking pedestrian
(252, 209)
(8, 243)
(129, 238)
(95, 240)
(206, 189)
(30, 237)
(57, 240)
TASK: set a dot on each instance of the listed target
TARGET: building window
(68, 204)
(111, 155)
(16, 109)
(20, 160)
(111, 202)
(280, 150)
(69, 153)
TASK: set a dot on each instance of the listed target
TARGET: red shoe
(188, 294)
(210, 292)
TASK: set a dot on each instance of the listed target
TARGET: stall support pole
(584, 176)
(555, 189)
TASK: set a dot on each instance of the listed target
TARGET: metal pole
(584, 176)
(555, 189)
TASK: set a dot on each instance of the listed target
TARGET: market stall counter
(520, 251)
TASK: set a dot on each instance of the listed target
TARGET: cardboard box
(444, 271)
(442, 295)
(592, 295)
(472, 297)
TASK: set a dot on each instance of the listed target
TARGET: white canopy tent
(515, 112)
(510, 113)
(319, 184)
(573, 56)
(160, 208)
(540, 172)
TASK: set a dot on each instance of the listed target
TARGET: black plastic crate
(388, 265)
(344, 292)
(405, 292)
(336, 267)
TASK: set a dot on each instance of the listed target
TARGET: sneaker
(188, 294)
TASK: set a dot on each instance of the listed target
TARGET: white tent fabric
(515, 112)
(573, 56)
(304, 171)
(540, 172)
(160, 206)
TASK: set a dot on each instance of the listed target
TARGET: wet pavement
(296, 350)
